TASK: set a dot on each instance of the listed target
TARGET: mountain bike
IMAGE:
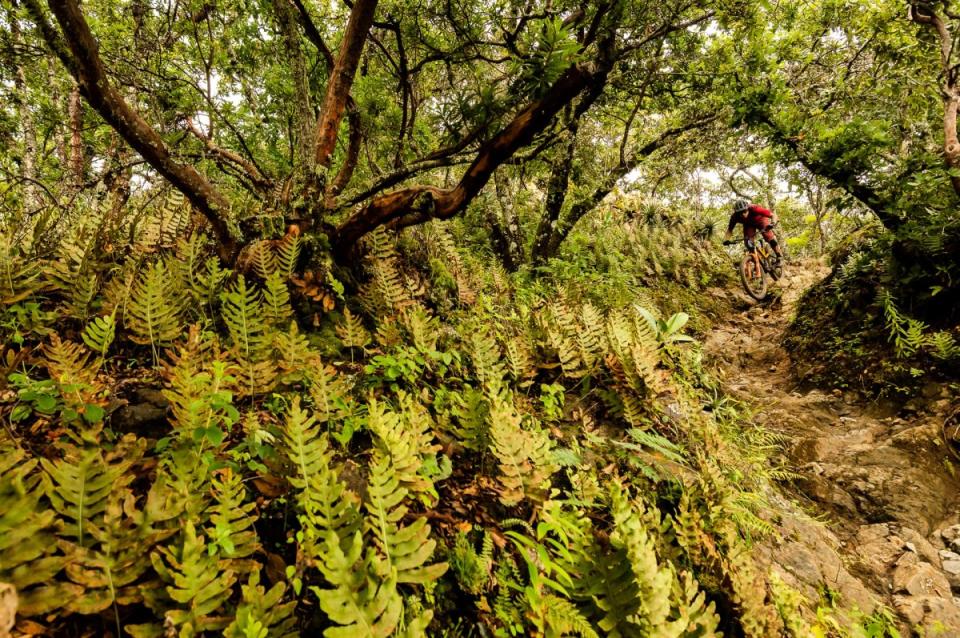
(755, 283)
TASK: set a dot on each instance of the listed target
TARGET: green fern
(111, 570)
(943, 346)
(525, 458)
(295, 357)
(406, 548)
(18, 276)
(288, 255)
(422, 326)
(153, 310)
(264, 259)
(329, 391)
(351, 331)
(245, 319)
(83, 480)
(203, 275)
(520, 359)
(197, 587)
(364, 599)
(472, 568)
(328, 506)
(201, 399)
(28, 552)
(99, 334)
(471, 412)
(486, 356)
(405, 440)
(260, 613)
(231, 522)
(276, 298)
(361, 600)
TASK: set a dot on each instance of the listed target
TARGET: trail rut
(873, 513)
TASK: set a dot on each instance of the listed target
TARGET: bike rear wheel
(756, 286)
(776, 269)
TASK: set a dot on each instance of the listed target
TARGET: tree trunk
(28, 166)
(505, 228)
(75, 118)
(951, 145)
(924, 14)
(556, 196)
(341, 80)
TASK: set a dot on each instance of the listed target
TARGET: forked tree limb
(418, 204)
(79, 52)
(251, 172)
(341, 80)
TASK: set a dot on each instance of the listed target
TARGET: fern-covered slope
(451, 449)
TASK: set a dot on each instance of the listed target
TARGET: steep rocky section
(873, 513)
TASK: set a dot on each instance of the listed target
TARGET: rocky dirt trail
(874, 514)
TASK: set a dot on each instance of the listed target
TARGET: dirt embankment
(874, 513)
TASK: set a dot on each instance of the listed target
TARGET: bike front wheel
(754, 284)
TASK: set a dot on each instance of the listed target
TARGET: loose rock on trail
(874, 513)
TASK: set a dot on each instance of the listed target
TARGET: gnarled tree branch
(79, 52)
(418, 204)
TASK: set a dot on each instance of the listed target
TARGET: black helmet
(740, 205)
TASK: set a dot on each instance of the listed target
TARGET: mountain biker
(754, 218)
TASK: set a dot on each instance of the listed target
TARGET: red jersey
(757, 217)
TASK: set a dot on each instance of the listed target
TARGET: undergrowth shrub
(868, 328)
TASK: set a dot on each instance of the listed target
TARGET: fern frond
(558, 616)
(406, 438)
(231, 522)
(19, 277)
(82, 481)
(69, 365)
(471, 412)
(276, 300)
(201, 398)
(28, 553)
(329, 391)
(99, 334)
(405, 548)
(487, 360)
(197, 587)
(153, 310)
(422, 326)
(943, 346)
(526, 463)
(110, 570)
(252, 339)
(264, 259)
(295, 357)
(328, 506)
(288, 255)
(362, 601)
(520, 360)
(260, 613)
(351, 331)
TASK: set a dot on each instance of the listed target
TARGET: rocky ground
(873, 515)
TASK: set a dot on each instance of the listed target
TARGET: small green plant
(472, 568)
(552, 397)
